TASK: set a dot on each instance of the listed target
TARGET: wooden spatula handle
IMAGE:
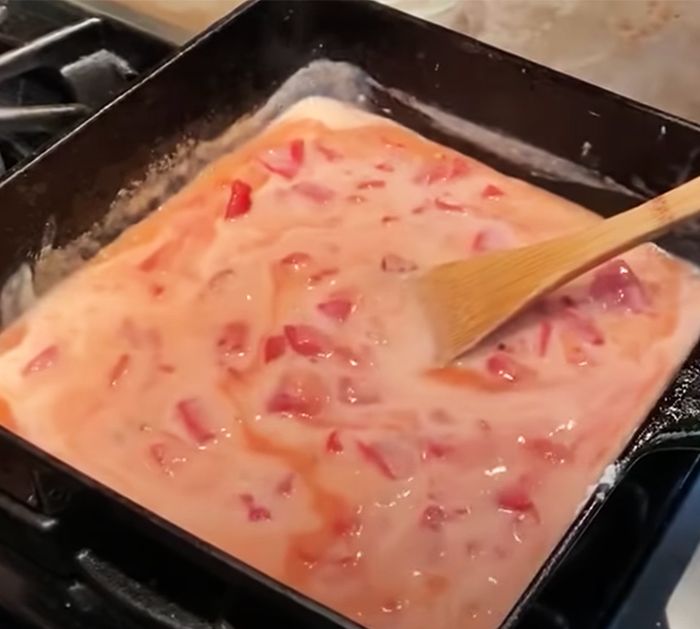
(615, 235)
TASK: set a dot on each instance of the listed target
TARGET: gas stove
(58, 63)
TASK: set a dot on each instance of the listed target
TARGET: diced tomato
(168, 453)
(43, 360)
(357, 392)
(544, 336)
(371, 184)
(316, 192)
(307, 340)
(436, 450)
(286, 485)
(442, 417)
(333, 443)
(233, 338)
(392, 143)
(548, 449)
(285, 160)
(393, 263)
(330, 154)
(384, 167)
(583, 327)
(239, 201)
(441, 203)
(296, 260)
(491, 239)
(157, 257)
(299, 393)
(156, 289)
(337, 309)
(256, 513)
(616, 285)
(515, 498)
(390, 219)
(484, 426)
(373, 455)
(119, 370)
(275, 347)
(191, 414)
(348, 356)
(219, 280)
(157, 451)
(443, 169)
(491, 192)
(433, 517)
(574, 354)
(507, 367)
(319, 276)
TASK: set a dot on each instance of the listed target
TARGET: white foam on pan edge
(600, 489)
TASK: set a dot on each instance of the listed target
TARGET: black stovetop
(59, 63)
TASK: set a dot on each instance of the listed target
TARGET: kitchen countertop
(641, 48)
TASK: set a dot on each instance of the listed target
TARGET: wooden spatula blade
(466, 301)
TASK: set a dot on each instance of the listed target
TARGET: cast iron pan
(228, 71)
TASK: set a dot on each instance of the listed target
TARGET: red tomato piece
(436, 450)
(233, 338)
(275, 347)
(393, 263)
(168, 453)
(442, 170)
(385, 167)
(299, 393)
(330, 154)
(285, 160)
(239, 201)
(447, 205)
(191, 414)
(256, 513)
(337, 309)
(319, 276)
(333, 443)
(548, 450)
(218, 281)
(286, 485)
(515, 498)
(507, 368)
(316, 192)
(296, 260)
(433, 517)
(583, 327)
(491, 239)
(544, 337)
(43, 360)
(307, 340)
(616, 285)
(491, 192)
(156, 258)
(119, 370)
(357, 392)
(371, 184)
(373, 455)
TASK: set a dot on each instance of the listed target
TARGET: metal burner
(57, 64)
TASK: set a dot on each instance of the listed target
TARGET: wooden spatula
(467, 300)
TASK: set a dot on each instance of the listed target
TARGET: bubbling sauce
(248, 362)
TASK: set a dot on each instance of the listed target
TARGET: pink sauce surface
(249, 363)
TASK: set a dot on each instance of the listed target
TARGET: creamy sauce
(249, 363)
